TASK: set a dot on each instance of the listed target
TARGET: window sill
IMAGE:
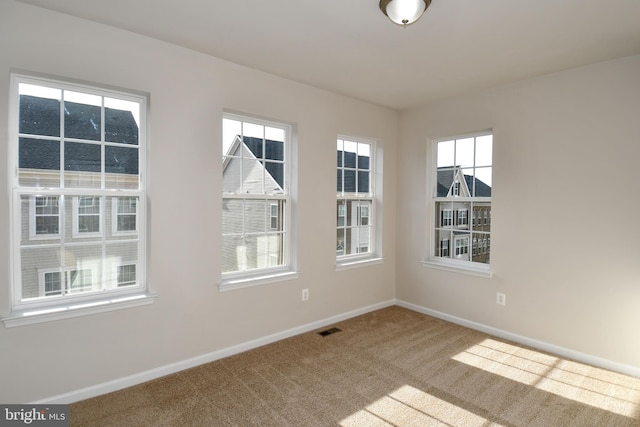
(355, 263)
(48, 314)
(232, 283)
(470, 268)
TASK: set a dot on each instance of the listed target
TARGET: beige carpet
(391, 367)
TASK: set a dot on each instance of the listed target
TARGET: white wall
(190, 316)
(566, 236)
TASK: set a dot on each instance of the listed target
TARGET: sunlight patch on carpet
(409, 407)
(595, 387)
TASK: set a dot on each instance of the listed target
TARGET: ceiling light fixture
(404, 12)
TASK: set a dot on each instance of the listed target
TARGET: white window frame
(433, 260)
(47, 308)
(287, 270)
(369, 252)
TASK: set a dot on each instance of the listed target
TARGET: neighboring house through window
(355, 215)
(463, 188)
(75, 147)
(256, 205)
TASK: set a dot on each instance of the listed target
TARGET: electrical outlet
(501, 299)
(305, 295)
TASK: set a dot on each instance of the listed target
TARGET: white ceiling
(350, 47)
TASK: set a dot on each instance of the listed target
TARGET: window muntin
(463, 189)
(73, 146)
(256, 196)
(355, 198)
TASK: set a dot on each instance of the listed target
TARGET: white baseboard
(540, 345)
(161, 371)
(152, 374)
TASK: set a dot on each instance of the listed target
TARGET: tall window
(463, 189)
(256, 205)
(355, 199)
(77, 152)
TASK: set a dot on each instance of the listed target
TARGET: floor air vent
(329, 332)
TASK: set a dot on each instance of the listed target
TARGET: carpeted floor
(391, 367)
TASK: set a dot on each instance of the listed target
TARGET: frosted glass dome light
(404, 12)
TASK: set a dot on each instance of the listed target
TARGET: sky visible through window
(460, 153)
(232, 128)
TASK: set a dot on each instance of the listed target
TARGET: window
(342, 214)
(462, 246)
(126, 275)
(444, 248)
(44, 216)
(446, 216)
(73, 147)
(462, 188)
(363, 214)
(274, 216)
(256, 201)
(462, 217)
(66, 282)
(355, 199)
(52, 283)
(125, 214)
(87, 218)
